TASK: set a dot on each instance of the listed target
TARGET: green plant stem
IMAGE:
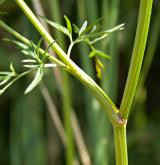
(137, 57)
(105, 101)
(120, 145)
(149, 55)
(154, 36)
(132, 80)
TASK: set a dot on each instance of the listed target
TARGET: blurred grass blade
(53, 112)
(96, 133)
(83, 151)
(27, 140)
(110, 10)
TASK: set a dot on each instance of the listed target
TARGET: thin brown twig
(53, 113)
(80, 141)
(83, 152)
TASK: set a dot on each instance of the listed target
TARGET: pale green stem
(70, 49)
(105, 101)
(120, 145)
(153, 40)
(137, 56)
(150, 52)
(132, 80)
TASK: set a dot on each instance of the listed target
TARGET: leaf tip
(35, 82)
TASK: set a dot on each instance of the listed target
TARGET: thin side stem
(137, 56)
(103, 98)
(120, 145)
(27, 42)
(69, 49)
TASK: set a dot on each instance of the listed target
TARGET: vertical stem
(149, 55)
(120, 145)
(154, 37)
(132, 80)
(137, 56)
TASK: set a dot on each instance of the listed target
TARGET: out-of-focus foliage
(27, 136)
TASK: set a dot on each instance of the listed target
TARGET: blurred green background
(28, 135)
